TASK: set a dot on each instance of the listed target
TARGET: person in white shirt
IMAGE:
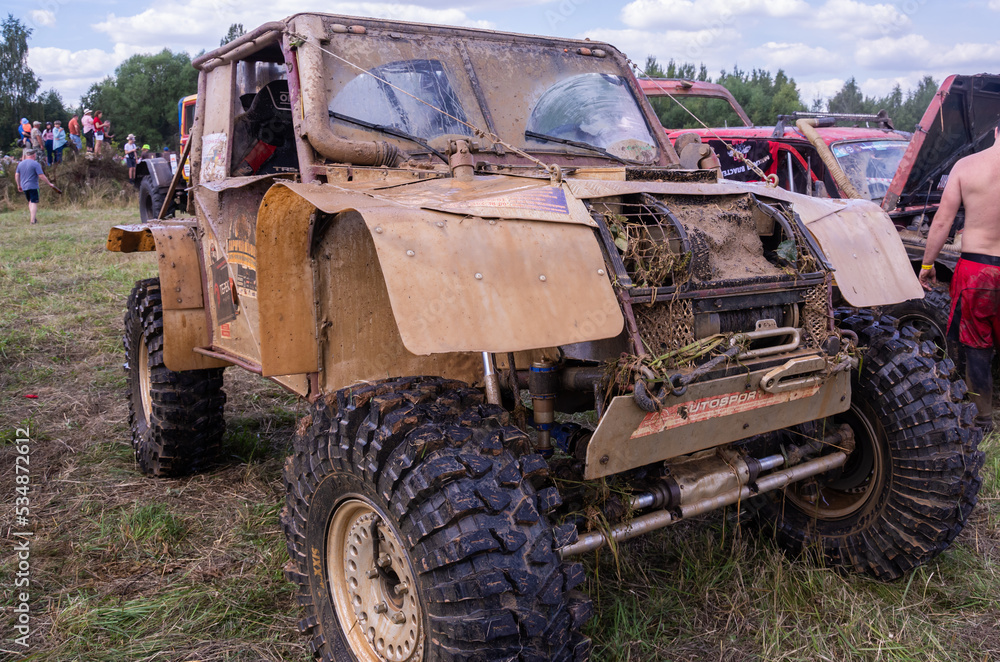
(130, 152)
(88, 128)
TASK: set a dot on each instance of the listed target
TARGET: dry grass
(123, 567)
(126, 568)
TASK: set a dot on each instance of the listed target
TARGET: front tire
(176, 418)
(929, 318)
(909, 486)
(451, 493)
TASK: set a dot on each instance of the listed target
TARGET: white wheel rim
(381, 618)
(145, 382)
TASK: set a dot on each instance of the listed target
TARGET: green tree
(849, 99)
(18, 83)
(917, 100)
(904, 109)
(760, 95)
(235, 32)
(763, 97)
(52, 107)
(141, 97)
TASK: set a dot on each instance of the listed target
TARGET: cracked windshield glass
(870, 165)
(541, 99)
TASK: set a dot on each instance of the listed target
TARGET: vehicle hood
(959, 121)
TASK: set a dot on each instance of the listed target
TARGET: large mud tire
(929, 318)
(176, 418)
(457, 497)
(909, 486)
(150, 200)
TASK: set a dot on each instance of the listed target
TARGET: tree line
(764, 97)
(141, 96)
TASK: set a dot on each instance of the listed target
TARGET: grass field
(127, 568)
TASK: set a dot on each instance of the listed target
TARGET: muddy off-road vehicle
(525, 332)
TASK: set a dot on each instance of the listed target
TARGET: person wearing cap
(28, 172)
(88, 128)
(74, 132)
(130, 156)
(58, 141)
(144, 154)
(37, 143)
(47, 140)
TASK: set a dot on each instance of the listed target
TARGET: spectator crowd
(87, 134)
(91, 132)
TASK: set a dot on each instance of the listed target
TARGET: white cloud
(905, 53)
(995, 5)
(42, 17)
(823, 89)
(859, 19)
(794, 57)
(72, 72)
(705, 14)
(700, 46)
(916, 52)
(194, 25)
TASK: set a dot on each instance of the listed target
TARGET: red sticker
(224, 330)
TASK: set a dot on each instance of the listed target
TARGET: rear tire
(150, 200)
(176, 418)
(452, 492)
(913, 478)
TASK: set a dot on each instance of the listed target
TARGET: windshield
(596, 109)
(514, 90)
(870, 165)
(380, 97)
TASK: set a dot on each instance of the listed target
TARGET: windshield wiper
(389, 131)
(576, 143)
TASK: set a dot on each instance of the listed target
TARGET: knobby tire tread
(187, 421)
(470, 500)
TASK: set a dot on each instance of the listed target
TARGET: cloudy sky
(820, 43)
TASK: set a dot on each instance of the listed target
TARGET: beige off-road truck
(479, 259)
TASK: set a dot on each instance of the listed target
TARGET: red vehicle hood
(958, 122)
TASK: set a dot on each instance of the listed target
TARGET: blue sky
(820, 43)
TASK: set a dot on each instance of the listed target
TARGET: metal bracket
(776, 381)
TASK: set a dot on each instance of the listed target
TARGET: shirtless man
(975, 287)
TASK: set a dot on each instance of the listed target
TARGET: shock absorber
(543, 383)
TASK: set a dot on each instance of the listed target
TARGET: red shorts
(975, 301)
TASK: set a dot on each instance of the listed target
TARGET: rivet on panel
(378, 229)
(542, 278)
(600, 272)
(410, 253)
(440, 224)
(479, 276)
(493, 222)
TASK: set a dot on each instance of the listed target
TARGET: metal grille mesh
(666, 325)
(815, 318)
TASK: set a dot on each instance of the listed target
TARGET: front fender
(185, 325)
(456, 283)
